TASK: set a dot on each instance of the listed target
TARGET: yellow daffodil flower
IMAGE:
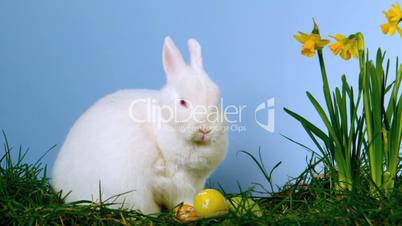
(347, 47)
(394, 16)
(311, 42)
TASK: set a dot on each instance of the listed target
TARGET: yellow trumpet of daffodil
(394, 16)
(347, 47)
(311, 42)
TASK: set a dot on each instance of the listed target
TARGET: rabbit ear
(172, 58)
(195, 53)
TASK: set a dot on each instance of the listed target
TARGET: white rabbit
(153, 147)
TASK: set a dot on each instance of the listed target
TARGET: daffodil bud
(315, 28)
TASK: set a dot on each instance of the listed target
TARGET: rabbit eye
(183, 103)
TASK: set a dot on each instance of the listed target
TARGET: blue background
(58, 57)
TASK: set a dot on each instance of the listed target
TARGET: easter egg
(210, 203)
(185, 213)
(242, 206)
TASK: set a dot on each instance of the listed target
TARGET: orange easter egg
(185, 213)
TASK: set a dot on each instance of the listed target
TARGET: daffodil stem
(342, 167)
(327, 92)
(322, 65)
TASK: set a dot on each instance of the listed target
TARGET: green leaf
(324, 118)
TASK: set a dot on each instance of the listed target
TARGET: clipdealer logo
(269, 107)
(232, 114)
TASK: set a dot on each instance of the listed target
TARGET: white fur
(158, 164)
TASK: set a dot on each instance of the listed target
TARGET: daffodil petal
(340, 37)
(354, 51)
(322, 42)
(301, 37)
(335, 48)
(345, 54)
(392, 29)
(399, 31)
(385, 28)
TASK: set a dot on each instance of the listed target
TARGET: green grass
(26, 198)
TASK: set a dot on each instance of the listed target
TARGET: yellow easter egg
(210, 203)
(185, 213)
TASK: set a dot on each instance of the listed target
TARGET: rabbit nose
(204, 130)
